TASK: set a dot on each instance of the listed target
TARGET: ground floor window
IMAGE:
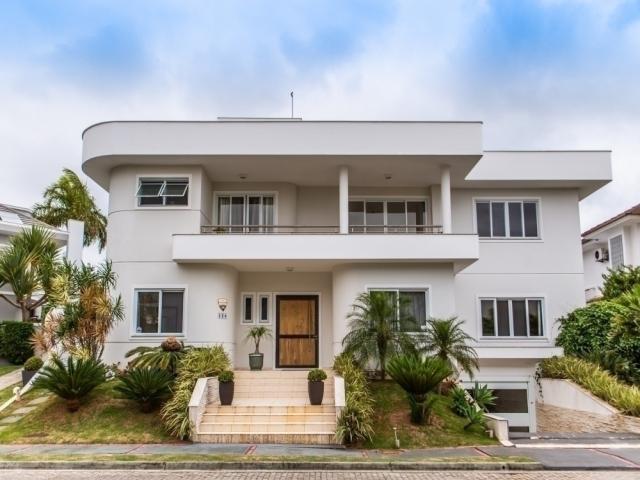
(412, 303)
(159, 311)
(512, 317)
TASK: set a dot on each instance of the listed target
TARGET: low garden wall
(566, 394)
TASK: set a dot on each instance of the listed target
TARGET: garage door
(515, 402)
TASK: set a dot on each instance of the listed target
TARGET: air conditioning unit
(601, 255)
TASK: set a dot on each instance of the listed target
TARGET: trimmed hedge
(15, 341)
(602, 384)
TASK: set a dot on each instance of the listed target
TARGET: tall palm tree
(446, 340)
(380, 329)
(27, 265)
(68, 198)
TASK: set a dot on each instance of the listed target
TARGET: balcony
(320, 248)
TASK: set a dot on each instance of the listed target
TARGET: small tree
(619, 280)
(81, 310)
(28, 265)
(256, 334)
(380, 328)
(448, 341)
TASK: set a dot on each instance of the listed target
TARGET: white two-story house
(221, 225)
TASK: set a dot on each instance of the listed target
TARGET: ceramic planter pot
(256, 361)
(226, 393)
(26, 376)
(316, 392)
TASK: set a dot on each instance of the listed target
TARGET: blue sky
(540, 74)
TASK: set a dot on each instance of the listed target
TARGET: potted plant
(316, 379)
(225, 387)
(31, 366)
(256, 359)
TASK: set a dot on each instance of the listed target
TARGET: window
(247, 308)
(616, 251)
(248, 212)
(378, 216)
(163, 191)
(159, 311)
(264, 308)
(507, 219)
(511, 317)
(413, 302)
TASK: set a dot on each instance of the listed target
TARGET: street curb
(272, 466)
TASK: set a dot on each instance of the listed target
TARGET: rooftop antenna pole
(291, 104)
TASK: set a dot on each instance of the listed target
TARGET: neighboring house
(217, 226)
(13, 220)
(610, 244)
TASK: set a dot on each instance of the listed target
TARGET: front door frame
(297, 296)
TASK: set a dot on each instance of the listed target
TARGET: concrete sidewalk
(561, 459)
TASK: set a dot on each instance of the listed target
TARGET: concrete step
(269, 409)
(260, 428)
(283, 438)
(268, 418)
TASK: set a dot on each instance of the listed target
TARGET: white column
(75, 241)
(344, 199)
(445, 198)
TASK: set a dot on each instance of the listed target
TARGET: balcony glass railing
(319, 229)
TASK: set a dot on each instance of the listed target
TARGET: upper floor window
(410, 304)
(512, 317)
(163, 191)
(159, 311)
(616, 251)
(507, 218)
(249, 211)
(371, 216)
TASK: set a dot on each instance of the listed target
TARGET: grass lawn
(392, 410)
(7, 393)
(101, 419)
(4, 369)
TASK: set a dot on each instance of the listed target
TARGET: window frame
(510, 298)
(621, 236)
(385, 200)
(260, 296)
(163, 178)
(246, 194)
(426, 289)
(243, 309)
(159, 288)
(506, 201)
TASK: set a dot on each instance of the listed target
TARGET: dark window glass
(498, 219)
(519, 318)
(503, 318)
(264, 309)
(515, 219)
(172, 303)
(416, 215)
(510, 401)
(535, 318)
(483, 218)
(150, 201)
(375, 216)
(248, 309)
(148, 305)
(415, 307)
(530, 219)
(488, 318)
(396, 216)
(176, 192)
(356, 216)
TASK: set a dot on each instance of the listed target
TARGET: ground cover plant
(355, 422)
(148, 387)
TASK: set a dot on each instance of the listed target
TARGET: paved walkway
(556, 419)
(10, 379)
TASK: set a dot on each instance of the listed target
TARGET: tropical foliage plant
(68, 198)
(82, 311)
(15, 341)
(446, 339)
(625, 329)
(356, 419)
(380, 330)
(483, 397)
(256, 334)
(27, 266)
(166, 356)
(148, 387)
(196, 363)
(71, 381)
(418, 377)
(601, 383)
(619, 280)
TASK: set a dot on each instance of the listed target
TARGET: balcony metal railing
(319, 229)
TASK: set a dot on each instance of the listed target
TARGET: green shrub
(73, 381)
(483, 397)
(625, 330)
(473, 415)
(317, 375)
(15, 341)
(459, 400)
(165, 356)
(418, 377)
(356, 419)
(33, 364)
(226, 376)
(602, 384)
(148, 387)
(586, 330)
(620, 280)
(196, 363)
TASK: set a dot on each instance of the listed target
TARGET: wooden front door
(296, 331)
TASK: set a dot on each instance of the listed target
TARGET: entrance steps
(268, 407)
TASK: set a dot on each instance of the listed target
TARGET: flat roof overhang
(302, 152)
